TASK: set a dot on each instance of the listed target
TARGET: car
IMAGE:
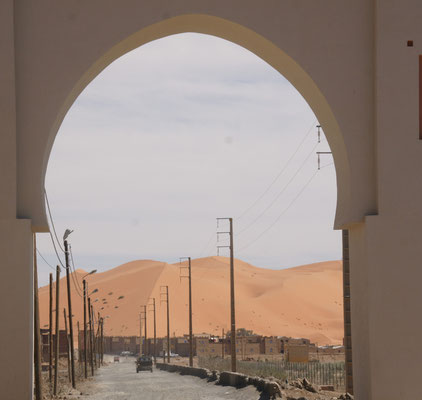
(116, 359)
(144, 363)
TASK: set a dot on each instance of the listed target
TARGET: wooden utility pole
(37, 335)
(68, 346)
(85, 341)
(69, 301)
(79, 345)
(190, 309)
(155, 329)
(232, 298)
(57, 347)
(98, 339)
(94, 347)
(140, 334)
(50, 330)
(347, 313)
(166, 300)
(144, 318)
(102, 341)
(222, 347)
(91, 346)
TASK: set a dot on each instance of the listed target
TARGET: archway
(37, 125)
(244, 37)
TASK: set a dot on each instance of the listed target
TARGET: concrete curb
(225, 378)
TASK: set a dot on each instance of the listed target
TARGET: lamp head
(67, 233)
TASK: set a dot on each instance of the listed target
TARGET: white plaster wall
(16, 299)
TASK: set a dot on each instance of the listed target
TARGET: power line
(45, 260)
(279, 193)
(51, 219)
(327, 165)
(282, 213)
(55, 250)
(74, 270)
(206, 246)
(279, 174)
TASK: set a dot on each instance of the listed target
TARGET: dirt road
(119, 381)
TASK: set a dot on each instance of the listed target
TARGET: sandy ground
(304, 301)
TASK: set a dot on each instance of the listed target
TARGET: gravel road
(119, 381)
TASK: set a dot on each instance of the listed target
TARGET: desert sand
(303, 301)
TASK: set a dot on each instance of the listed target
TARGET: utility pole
(140, 334)
(93, 337)
(319, 133)
(50, 331)
(91, 347)
(37, 335)
(155, 330)
(85, 342)
(144, 317)
(232, 299)
(79, 346)
(69, 300)
(98, 340)
(69, 374)
(164, 291)
(222, 347)
(190, 309)
(319, 159)
(56, 352)
(102, 341)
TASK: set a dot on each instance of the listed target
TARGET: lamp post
(69, 302)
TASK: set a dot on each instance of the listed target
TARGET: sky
(176, 133)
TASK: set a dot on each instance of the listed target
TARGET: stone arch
(242, 36)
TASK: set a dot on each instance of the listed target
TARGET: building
(45, 344)
(272, 345)
(297, 353)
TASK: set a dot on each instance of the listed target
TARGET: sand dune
(304, 301)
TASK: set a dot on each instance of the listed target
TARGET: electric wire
(45, 260)
(52, 221)
(280, 215)
(205, 248)
(280, 173)
(279, 193)
(327, 165)
(73, 275)
(74, 271)
(55, 250)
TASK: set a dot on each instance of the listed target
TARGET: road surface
(119, 381)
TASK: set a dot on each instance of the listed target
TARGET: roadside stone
(213, 376)
(346, 396)
(309, 386)
(297, 384)
(273, 389)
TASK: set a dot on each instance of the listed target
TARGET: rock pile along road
(120, 381)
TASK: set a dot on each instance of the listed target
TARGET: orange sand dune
(303, 301)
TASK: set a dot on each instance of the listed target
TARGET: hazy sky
(176, 133)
